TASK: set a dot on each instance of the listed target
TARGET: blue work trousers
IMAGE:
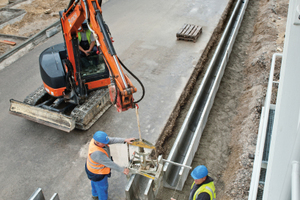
(100, 188)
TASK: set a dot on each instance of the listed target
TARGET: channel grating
(260, 192)
(263, 171)
(269, 134)
(262, 176)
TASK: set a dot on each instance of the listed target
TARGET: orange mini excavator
(77, 90)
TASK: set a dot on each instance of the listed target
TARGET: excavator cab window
(93, 65)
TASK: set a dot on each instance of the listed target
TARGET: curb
(35, 39)
(14, 36)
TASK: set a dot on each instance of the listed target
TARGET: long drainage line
(187, 141)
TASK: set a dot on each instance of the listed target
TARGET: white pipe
(262, 137)
(295, 180)
(177, 164)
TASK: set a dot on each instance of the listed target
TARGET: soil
(39, 15)
(231, 131)
(229, 139)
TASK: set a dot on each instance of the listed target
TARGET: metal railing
(262, 132)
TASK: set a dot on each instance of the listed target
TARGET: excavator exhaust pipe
(42, 116)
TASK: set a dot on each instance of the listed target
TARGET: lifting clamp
(141, 163)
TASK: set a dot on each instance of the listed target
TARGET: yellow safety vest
(209, 188)
(88, 36)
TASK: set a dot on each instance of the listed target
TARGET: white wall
(285, 143)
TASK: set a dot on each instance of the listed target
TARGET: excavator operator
(86, 41)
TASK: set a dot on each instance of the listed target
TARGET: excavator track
(87, 114)
(35, 96)
(83, 116)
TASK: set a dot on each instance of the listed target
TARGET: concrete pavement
(33, 155)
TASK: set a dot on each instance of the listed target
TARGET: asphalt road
(33, 155)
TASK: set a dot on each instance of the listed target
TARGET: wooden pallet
(189, 32)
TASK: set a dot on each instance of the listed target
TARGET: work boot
(94, 198)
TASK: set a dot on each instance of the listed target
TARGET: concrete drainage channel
(187, 141)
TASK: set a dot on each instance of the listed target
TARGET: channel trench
(187, 141)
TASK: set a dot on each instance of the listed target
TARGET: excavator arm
(121, 88)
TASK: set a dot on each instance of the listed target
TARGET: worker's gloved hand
(129, 140)
(126, 171)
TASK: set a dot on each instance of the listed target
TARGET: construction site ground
(145, 38)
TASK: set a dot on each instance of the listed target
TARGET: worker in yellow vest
(203, 187)
(86, 41)
(99, 163)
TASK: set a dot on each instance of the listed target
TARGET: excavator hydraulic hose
(136, 78)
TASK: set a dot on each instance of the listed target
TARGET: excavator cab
(93, 64)
(56, 83)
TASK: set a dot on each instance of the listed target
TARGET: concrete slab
(33, 155)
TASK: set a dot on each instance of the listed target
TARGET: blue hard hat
(101, 136)
(199, 172)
